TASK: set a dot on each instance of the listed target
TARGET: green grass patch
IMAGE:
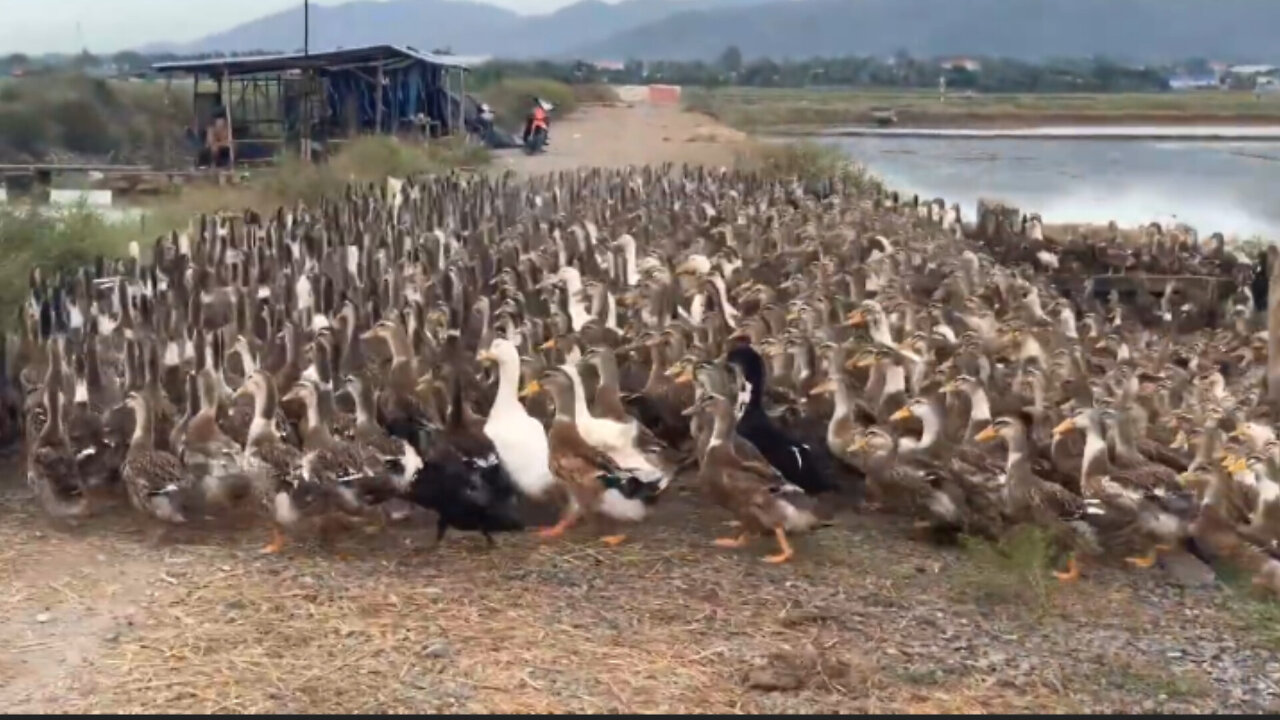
(1016, 570)
(763, 108)
(53, 240)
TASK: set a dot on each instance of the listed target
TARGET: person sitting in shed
(217, 145)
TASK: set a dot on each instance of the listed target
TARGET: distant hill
(466, 27)
(1138, 30)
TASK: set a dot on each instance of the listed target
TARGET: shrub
(807, 161)
(594, 93)
(53, 242)
(510, 98)
(22, 132)
(83, 127)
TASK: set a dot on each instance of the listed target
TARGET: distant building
(961, 63)
(609, 65)
(1253, 70)
(1194, 82)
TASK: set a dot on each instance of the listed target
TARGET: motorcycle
(535, 139)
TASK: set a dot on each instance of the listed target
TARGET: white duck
(520, 440)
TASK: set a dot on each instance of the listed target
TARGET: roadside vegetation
(808, 161)
(801, 109)
(63, 116)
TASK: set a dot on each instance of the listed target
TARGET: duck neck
(142, 436)
(364, 406)
(979, 406)
(508, 381)
(264, 412)
(316, 433)
(721, 428)
(843, 396)
(1208, 447)
(1094, 461)
(579, 394)
(932, 428)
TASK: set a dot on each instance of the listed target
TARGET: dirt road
(98, 618)
(615, 136)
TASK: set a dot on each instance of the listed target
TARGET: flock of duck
(591, 338)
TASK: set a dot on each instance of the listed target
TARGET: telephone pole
(306, 27)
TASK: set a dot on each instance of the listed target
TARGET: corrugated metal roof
(297, 61)
(1252, 69)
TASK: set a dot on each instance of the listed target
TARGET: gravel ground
(864, 620)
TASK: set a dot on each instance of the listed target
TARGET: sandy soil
(101, 618)
(605, 136)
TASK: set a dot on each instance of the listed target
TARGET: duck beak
(856, 318)
(902, 414)
(691, 410)
(548, 345)
(1239, 466)
(486, 357)
(829, 386)
(949, 387)
(858, 445)
(533, 388)
(1228, 460)
(685, 377)
(1064, 427)
(988, 434)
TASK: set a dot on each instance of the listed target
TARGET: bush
(809, 162)
(129, 121)
(594, 93)
(22, 132)
(64, 241)
(510, 98)
(83, 127)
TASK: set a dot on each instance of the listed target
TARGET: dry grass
(365, 159)
(805, 160)
(664, 623)
(759, 108)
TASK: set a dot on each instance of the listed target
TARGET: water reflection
(1220, 185)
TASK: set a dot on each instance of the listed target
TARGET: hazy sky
(35, 26)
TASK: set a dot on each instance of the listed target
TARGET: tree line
(984, 74)
(901, 70)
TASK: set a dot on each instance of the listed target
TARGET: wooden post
(168, 88)
(377, 115)
(226, 111)
(1273, 328)
(462, 102)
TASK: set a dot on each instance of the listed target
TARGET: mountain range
(1134, 30)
